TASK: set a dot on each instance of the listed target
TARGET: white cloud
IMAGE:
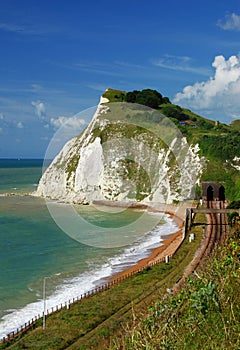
(67, 122)
(40, 109)
(230, 22)
(179, 63)
(5, 123)
(19, 125)
(219, 92)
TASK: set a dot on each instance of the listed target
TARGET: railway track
(217, 225)
(216, 230)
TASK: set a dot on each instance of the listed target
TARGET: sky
(58, 57)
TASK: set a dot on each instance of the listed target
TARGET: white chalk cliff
(121, 157)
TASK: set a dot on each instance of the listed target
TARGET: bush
(234, 205)
(146, 97)
(174, 111)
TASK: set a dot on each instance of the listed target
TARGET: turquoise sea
(33, 247)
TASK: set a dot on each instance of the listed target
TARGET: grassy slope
(207, 309)
(235, 124)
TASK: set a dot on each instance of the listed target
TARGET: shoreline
(170, 243)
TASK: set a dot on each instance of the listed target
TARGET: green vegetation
(141, 179)
(114, 95)
(233, 218)
(205, 314)
(223, 146)
(173, 111)
(234, 205)
(223, 172)
(72, 164)
(235, 124)
(146, 97)
(115, 130)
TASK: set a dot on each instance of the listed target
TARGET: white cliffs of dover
(84, 171)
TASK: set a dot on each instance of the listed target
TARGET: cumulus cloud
(230, 22)
(40, 109)
(67, 122)
(221, 91)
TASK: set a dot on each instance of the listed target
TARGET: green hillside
(219, 143)
(204, 315)
(235, 124)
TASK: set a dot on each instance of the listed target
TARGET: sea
(38, 257)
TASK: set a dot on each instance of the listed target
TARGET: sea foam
(74, 287)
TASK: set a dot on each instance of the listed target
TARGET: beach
(168, 247)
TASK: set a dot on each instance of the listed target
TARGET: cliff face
(124, 156)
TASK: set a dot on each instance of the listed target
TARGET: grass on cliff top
(114, 95)
(92, 323)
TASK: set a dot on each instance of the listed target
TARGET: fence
(31, 323)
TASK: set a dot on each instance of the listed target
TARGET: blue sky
(58, 57)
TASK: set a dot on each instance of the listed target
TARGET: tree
(166, 100)
(146, 97)
(174, 111)
(131, 96)
(150, 98)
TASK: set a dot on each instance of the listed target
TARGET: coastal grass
(91, 323)
(204, 315)
(114, 95)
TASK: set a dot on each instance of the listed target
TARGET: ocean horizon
(33, 248)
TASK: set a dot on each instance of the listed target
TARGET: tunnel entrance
(213, 191)
(221, 193)
(209, 193)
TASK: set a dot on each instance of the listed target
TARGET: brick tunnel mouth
(213, 191)
(209, 193)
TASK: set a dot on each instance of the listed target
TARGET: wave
(72, 287)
